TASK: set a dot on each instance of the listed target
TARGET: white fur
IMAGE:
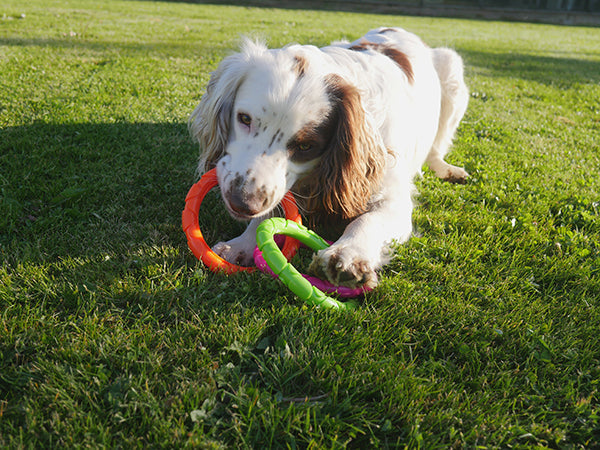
(415, 120)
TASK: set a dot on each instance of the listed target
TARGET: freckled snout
(247, 199)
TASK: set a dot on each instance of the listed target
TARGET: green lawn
(483, 331)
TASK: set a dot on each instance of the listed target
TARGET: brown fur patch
(351, 167)
(391, 52)
(312, 140)
(300, 65)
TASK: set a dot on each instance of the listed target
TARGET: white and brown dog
(345, 127)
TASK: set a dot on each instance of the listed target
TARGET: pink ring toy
(323, 285)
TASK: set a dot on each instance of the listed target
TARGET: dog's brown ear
(209, 124)
(351, 168)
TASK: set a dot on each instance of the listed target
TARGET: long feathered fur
(209, 123)
(350, 170)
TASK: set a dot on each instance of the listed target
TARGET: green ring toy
(288, 273)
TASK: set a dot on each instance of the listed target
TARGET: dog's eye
(304, 146)
(244, 119)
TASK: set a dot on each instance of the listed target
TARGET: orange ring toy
(196, 242)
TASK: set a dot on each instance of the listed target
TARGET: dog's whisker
(307, 197)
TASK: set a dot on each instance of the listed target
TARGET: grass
(482, 333)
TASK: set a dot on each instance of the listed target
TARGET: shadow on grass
(77, 188)
(562, 71)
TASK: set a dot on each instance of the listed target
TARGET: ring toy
(323, 285)
(286, 272)
(196, 242)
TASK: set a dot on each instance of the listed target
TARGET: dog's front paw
(343, 267)
(456, 175)
(233, 252)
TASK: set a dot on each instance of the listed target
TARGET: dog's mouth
(241, 216)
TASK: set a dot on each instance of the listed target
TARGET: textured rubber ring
(323, 285)
(286, 272)
(196, 242)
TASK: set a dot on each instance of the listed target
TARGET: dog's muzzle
(246, 200)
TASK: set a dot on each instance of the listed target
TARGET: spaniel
(346, 128)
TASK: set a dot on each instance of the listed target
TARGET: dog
(345, 127)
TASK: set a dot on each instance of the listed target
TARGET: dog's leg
(455, 97)
(365, 245)
(240, 250)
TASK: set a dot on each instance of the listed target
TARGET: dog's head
(273, 120)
